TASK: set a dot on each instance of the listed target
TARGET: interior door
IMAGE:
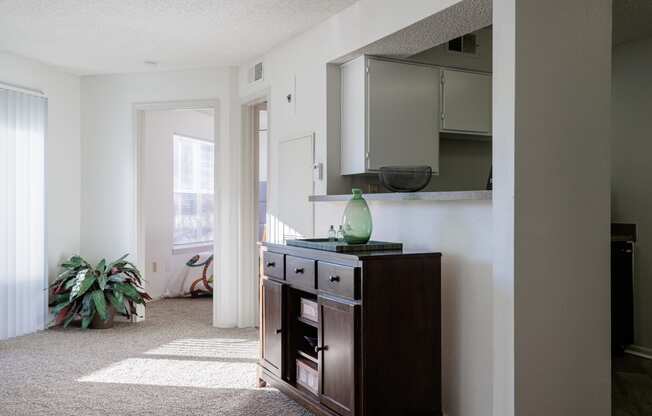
(295, 217)
(337, 348)
(272, 326)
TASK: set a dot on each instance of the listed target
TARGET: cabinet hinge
(443, 78)
(366, 156)
(443, 116)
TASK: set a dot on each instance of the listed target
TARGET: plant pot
(98, 323)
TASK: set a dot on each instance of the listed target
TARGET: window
(193, 191)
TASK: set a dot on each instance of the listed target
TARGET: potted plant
(95, 293)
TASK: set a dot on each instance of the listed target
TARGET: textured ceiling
(632, 19)
(117, 36)
(464, 17)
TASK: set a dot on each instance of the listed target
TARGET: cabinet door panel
(337, 359)
(272, 326)
(467, 102)
(403, 115)
(353, 117)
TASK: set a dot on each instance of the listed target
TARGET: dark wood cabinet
(337, 355)
(375, 348)
(272, 326)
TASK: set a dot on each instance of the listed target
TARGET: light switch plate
(318, 171)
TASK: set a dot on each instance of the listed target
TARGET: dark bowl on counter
(405, 178)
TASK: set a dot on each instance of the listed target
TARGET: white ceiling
(632, 19)
(117, 36)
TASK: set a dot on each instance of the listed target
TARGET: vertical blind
(23, 281)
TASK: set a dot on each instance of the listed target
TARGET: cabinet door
(466, 102)
(353, 119)
(403, 115)
(272, 326)
(338, 346)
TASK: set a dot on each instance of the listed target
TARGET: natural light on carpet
(209, 348)
(222, 363)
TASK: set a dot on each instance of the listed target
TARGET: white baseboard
(639, 351)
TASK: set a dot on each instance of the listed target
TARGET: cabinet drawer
(273, 265)
(300, 272)
(339, 280)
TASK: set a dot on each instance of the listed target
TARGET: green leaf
(119, 297)
(100, 304)
(87, 320)
(70, 283)
(68, 320)
(83, 282)
(118, 278)
(102, 280)
(128, 290)
(66, 273)
(87, 306)
(120, 260)
(61, 298)
(74, 262)
(101, 266)
(117, 304)
(58, 308)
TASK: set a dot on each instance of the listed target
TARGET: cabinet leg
(261, 383)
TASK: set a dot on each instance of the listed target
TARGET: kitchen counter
(410, 196)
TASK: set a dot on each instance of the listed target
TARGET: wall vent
(256, 72)
(467, 44)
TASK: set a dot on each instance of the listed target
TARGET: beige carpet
(174, 363)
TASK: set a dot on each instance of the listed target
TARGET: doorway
(176, 211)
(261, 146)
(259, 137)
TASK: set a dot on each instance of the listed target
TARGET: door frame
(139, 226)
(250, 154)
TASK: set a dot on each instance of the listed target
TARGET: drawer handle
(298, 270)
(270, 264)
(278, 331)
(334, 278)
(324, 348)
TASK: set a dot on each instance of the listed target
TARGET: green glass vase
(356, 221)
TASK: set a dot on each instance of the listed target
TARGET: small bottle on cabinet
(332, 235)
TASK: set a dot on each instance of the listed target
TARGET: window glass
(193, 190)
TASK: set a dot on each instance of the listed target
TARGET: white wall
(108, 206)
(460, 230)
(158, 210)
(552, 93)
(631, 160)
(63, 154)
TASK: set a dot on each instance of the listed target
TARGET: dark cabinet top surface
(351, 259)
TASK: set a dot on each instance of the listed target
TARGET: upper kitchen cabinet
(466, 102)
(389, 115)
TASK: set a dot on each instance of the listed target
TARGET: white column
(234, 299)
(552, 63)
